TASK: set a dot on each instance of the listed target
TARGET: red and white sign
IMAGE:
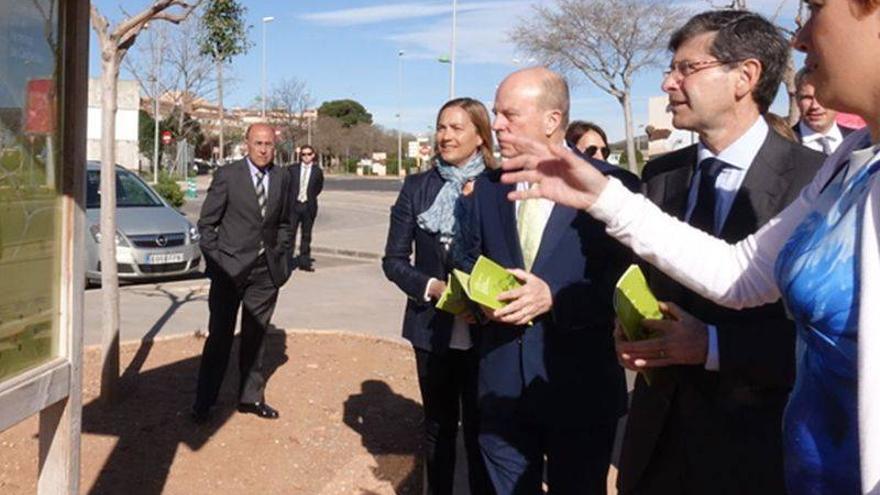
(166, 137)
(40, 107)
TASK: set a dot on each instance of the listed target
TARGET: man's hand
(556, 173)
(524, 303)
(436, 288)
(681, 339)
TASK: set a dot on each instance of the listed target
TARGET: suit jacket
(423, 325)
(728, 424)
(314, 188)
(232, 228)
(562, 370)
(844, 131)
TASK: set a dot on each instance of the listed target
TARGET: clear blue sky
(349, 49)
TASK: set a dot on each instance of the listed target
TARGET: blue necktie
(703, 214)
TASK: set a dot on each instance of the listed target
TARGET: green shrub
(169, 189)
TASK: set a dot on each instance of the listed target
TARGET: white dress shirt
(304, 173)
(254, 178)
(739, 156)
(813, 140)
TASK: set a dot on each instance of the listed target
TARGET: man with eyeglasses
(307, 181)
(711, 419)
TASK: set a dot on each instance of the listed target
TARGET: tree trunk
(626, 103)
(794, 113)
(220, 103)
(109, 280)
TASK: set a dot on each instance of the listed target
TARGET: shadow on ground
(390, 426)
(151, 418)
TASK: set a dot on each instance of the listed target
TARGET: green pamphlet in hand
(634, 302)
(454, 298)
(483, 285)
(489, 279)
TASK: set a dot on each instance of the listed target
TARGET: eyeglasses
(307, 153)
(591, 151)
(690, 67)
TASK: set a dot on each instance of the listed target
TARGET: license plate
(164, 258)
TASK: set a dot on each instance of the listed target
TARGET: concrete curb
(398, 342)
(350, 253)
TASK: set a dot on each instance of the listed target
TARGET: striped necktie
(261, 192)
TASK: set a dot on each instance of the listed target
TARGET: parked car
(152, 239)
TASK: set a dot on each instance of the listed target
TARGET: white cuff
(713, 362)
(426, 297)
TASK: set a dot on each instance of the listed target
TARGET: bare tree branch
(605, 42)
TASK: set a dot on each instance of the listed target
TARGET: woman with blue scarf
(424, 218)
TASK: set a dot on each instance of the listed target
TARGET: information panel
(30, 199)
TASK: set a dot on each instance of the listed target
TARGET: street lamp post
(266, 20)
(399, 105)
(452, 51)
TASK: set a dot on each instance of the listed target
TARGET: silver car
(152, 238)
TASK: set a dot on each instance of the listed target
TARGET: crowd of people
(762, 242)
(759, 240)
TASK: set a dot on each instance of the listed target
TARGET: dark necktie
(703, 214)
(261, 191)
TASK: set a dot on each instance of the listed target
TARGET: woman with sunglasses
(425, 217)
(588, 138)
(821, 255)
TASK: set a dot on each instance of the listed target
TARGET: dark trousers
(577, 458)
(448, 383)
(257, 297)
(303, 219)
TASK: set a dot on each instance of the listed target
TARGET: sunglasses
(591, 150)
(307, 153)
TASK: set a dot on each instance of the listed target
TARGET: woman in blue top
(821, 256)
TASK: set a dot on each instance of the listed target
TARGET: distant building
(663, 137)
(127, 129)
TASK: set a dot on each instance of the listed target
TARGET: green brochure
(482, 285)
(634, 302)
(454, 298)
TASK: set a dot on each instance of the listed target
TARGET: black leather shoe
(200, 415)
(307, 268)
(261, 409)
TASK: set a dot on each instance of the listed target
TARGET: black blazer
(423, 325)
(728, 423)
(316, 184)
(562, 370)
(231, 226)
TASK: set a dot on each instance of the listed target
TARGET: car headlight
(194, 235)
(96, 235)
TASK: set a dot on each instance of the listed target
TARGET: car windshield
(131, 192)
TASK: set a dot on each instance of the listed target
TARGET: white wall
(127, 129)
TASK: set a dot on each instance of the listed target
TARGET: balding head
(531, 102)
(260, 139)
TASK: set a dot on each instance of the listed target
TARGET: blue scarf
(440, 217)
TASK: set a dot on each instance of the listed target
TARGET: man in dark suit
(818, 127)
(550, 388)
(306, 183)
(711, 420)
(245, 237)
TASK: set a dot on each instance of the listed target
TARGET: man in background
(306, 183)
(817, 129)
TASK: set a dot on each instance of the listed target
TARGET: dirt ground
(350, 424)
